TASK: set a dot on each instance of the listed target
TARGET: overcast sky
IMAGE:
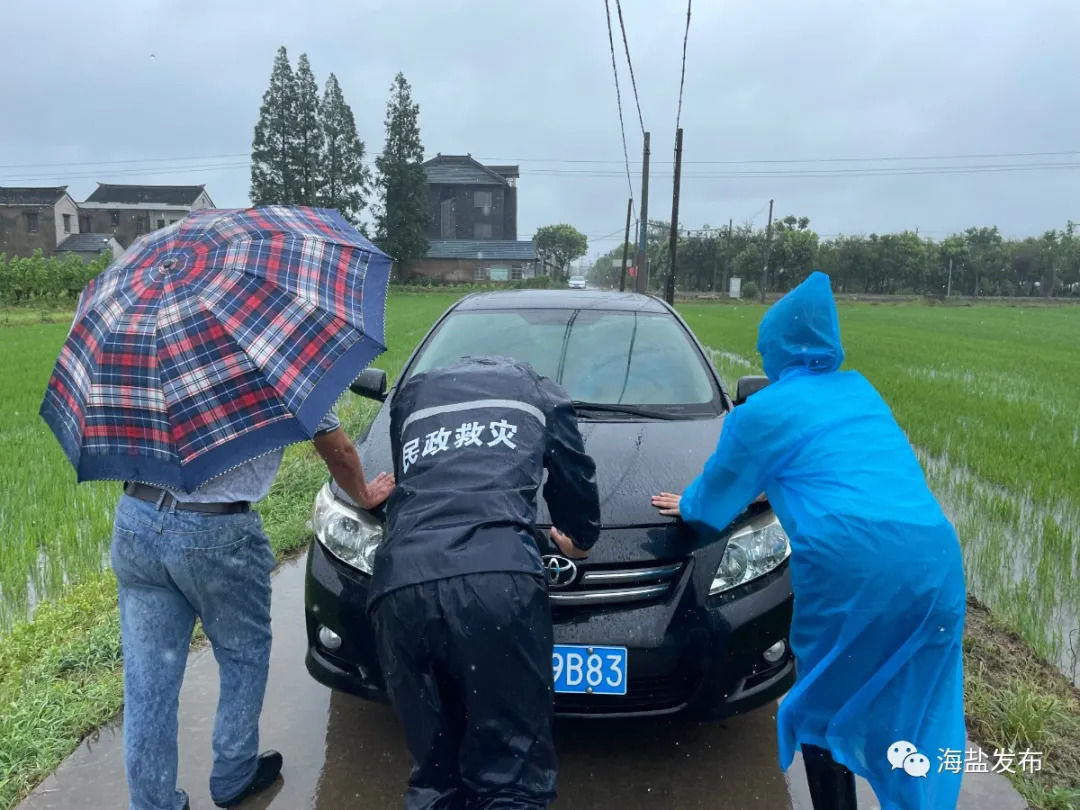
(175, 87)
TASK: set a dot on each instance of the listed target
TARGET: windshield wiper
(628, 410)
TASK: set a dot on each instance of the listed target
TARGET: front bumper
(687, 654)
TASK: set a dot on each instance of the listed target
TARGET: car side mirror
(748, 386)
(371, 384)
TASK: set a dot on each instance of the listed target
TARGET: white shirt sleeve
(328, 423)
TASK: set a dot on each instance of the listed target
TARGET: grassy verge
(21, 316)
(1015, 702)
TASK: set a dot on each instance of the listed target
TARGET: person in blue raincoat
(876, 568)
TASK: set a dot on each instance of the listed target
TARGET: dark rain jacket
(471, 443)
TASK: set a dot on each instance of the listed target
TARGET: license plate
(583, 670)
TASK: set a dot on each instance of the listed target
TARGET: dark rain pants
(832, 786)
(467, 662)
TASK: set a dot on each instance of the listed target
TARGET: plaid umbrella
(218, 339)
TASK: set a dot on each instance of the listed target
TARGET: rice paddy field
(988, 395)
(54, 533)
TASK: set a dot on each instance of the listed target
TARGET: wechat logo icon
(904, 755)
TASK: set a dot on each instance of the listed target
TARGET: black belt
(164, 500)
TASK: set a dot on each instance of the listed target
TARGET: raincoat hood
(801, 330)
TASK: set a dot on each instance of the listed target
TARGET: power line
(143, 172)
(861, 172)
(596, 172)
(618, 98)
(630, 64)
(910, 171)
(891, 158)
(682, 73)
(116, 162)
(89, 165)
(601, 237)
(757, 213)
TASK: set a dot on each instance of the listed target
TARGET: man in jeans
(178, 557)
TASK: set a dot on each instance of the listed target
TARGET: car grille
(616, 586)
(642, 695)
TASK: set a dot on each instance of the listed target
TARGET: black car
(701, 621)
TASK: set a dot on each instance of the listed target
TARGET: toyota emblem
(561, 572)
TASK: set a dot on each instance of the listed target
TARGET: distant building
(130, 211)
(467, 200)
(472, 234)
(88, 246)
(35, 219)
(469, 260)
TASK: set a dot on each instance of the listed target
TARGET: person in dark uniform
(458, 596)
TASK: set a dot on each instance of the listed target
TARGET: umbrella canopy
(208, 343)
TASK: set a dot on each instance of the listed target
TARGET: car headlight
(351, 535)
(753, 550)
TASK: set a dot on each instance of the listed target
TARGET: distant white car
(577, 282)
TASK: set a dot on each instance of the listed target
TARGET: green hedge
(39, 280)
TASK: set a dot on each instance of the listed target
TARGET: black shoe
(267, 769)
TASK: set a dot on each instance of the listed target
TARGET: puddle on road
(343, 752)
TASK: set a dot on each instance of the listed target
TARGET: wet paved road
(343, 753)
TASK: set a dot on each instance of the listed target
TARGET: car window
(607, 357)
(633, 358)
(532, 336)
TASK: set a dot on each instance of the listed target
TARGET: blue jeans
(171, 568)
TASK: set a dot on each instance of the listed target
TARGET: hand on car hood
(634, 460)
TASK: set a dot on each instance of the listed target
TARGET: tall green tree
(401, 223)
(345, 178)
(986, 261)
(273, 150)
(561, 243)
(309, 141)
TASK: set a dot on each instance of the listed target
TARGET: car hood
(634, 460)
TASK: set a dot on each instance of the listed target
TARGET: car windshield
(599, 357)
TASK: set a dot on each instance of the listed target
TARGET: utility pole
(669, 289)
(727, 255)
(715, 266)
(625, 246)
(948, 290)
(641, 280)
(768, 255)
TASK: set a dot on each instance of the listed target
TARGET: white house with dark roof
(128, 211)
(35, 218)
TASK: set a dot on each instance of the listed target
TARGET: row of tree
(976, 262)
(307, 151)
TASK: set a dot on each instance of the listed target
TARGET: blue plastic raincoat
(876, 568)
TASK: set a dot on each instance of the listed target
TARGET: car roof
(561, 299)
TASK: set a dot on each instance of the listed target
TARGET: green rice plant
(987, 396)
(56, 532)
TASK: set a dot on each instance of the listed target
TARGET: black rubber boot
(832, 786)
(267, 770)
